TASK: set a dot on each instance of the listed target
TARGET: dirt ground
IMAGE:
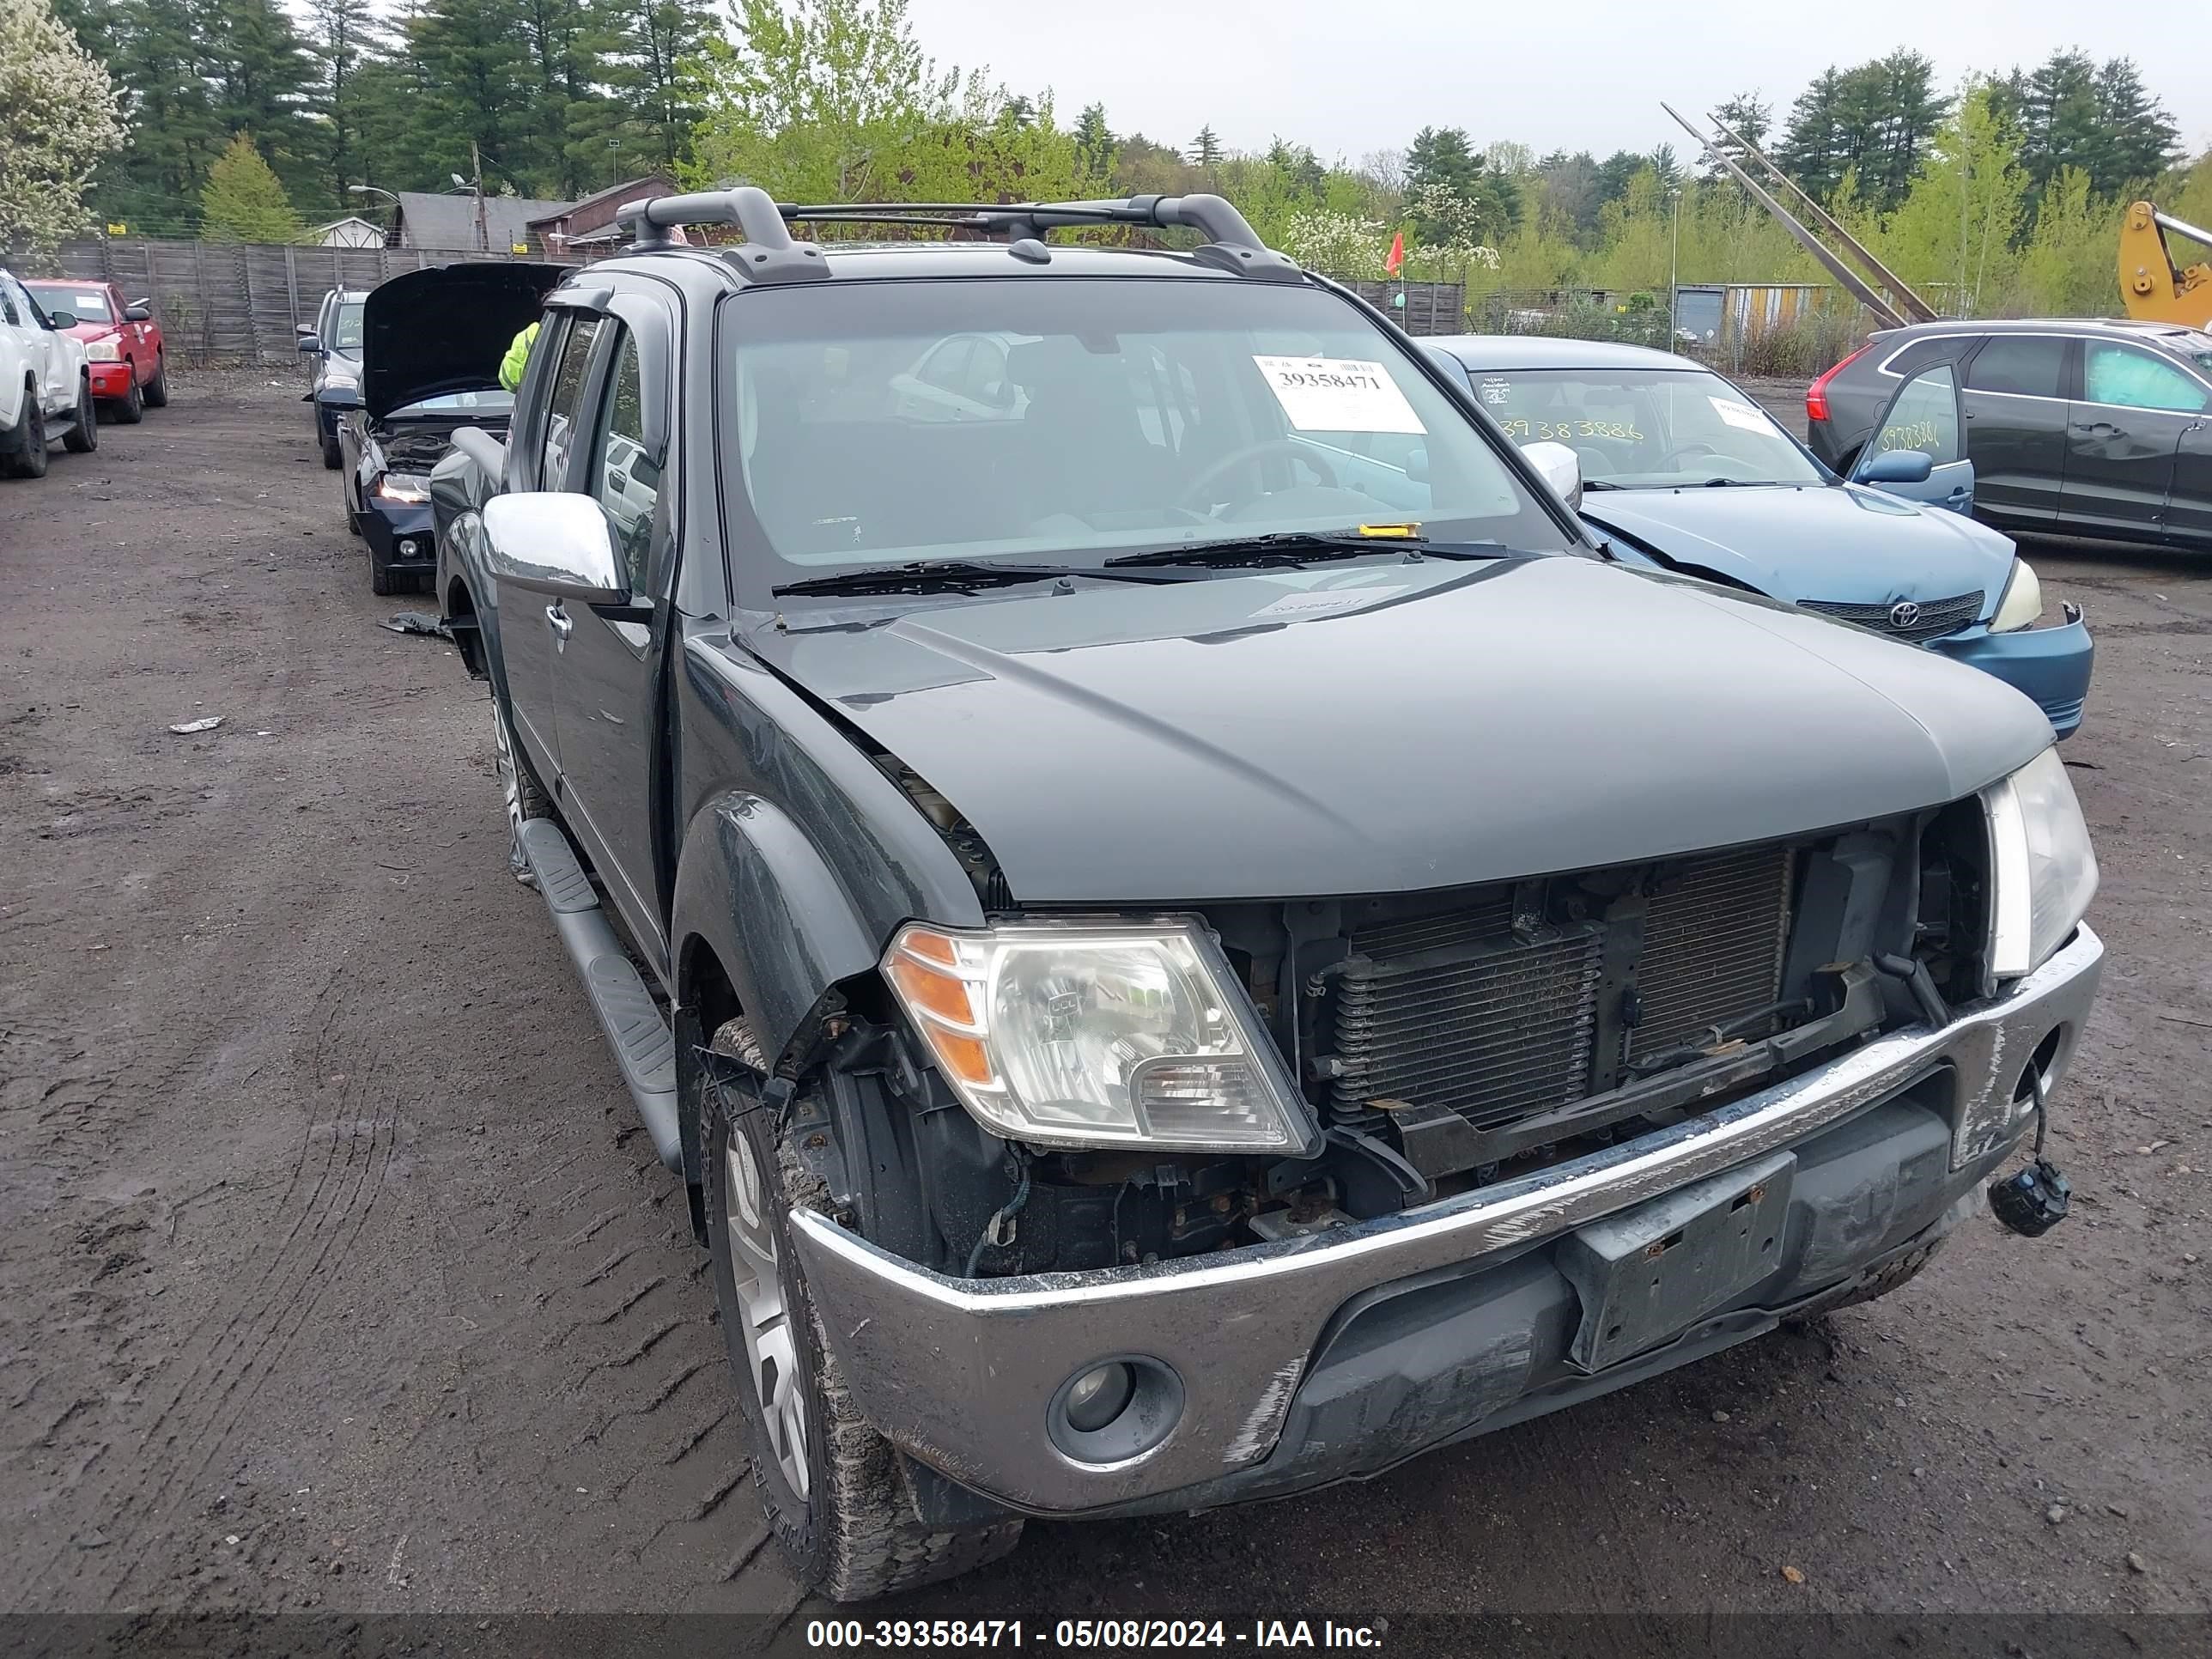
(336, 1274)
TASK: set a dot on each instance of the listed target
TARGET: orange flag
(1396, 255)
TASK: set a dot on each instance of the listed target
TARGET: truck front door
(606, 676)
(533, 631)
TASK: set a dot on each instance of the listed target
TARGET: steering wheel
(1665, 463)
(1290, 447)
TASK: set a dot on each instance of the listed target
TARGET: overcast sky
(1348, 76)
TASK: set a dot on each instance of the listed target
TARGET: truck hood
(1396, 727)
(444, 329)
(1842, 544)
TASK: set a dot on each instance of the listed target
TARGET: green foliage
(243, 201)
(1876, 120)
(59, 116)
(2073, 111)
(1455, 196)
(1206, 149)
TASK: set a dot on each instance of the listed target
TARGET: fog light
(1096, 1398)
(409, 547)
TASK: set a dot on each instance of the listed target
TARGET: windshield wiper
(926, 575)
(1602, 484)
(1294, 547)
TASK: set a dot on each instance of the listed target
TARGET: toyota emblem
(1903, 614)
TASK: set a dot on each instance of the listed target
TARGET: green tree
(2072, 111)
(1453, 193)
(344, 36)
(1664, 166)
(1206, 149)
(1095, 145)
(261, 73)
(473, 76)
(59, 116)
(1875, 119)
(644, 122)
(1959, 222)
(1748, 115)
(243, 201)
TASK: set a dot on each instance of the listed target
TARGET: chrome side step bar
(644, 1047)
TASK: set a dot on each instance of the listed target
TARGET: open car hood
(444, 329)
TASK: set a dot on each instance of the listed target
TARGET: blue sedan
(1682, 471)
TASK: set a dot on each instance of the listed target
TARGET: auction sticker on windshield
(1743, 415)
(1338, 394)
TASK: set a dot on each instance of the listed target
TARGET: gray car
(333, 341)
(1175, 966)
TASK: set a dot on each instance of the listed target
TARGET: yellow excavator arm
(2152, 286)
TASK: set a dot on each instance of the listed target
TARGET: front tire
(382, 579)
(332, 459)
(30, 462)
(157, 389)
(83, 435)
(835, 1492)
(131, 408)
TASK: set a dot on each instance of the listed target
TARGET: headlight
(103, 351)
(2043, 871)
(1098, 1035)
(2023, 600)
(398, 487)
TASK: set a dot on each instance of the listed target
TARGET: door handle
(559, 620)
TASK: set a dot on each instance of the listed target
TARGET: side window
(2130, 379)
(2027, 365)
(623, 477)
(16, 318)
(1917, 354)
(565, 399)
(1925, 416)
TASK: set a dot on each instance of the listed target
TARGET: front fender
(750, 886)
(457, 531)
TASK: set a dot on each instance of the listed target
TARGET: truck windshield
(1644, 429)
(1066, 418)
(86, 305)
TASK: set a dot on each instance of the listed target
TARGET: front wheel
(834, 1489)
(131, 408)
(332, 460)
(83, 435)
(30, 459)
(157, 389)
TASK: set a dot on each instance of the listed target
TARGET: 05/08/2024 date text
(1261, 1634)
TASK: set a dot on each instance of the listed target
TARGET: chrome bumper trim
(959, 1372)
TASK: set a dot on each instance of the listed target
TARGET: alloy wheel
(771, 1346)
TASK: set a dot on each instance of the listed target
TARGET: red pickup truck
(122, 340)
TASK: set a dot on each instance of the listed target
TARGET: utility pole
(1673, 265)
(475, 175)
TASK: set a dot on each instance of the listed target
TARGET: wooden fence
(238, 303)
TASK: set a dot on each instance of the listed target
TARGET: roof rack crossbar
(1232, 243)
(769, 253)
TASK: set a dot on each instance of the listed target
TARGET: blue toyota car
(1682, 470)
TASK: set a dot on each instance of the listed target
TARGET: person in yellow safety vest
(517, 358)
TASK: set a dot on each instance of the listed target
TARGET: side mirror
(138, 312)
(555, 543)
(1562, 469)
(145, 305)
(1897, 466)
(310, 345)
(338, 397)
(61, 320)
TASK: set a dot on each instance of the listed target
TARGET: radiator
(1452, 1008)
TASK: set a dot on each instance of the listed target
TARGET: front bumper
(112, 379)
(960, 1373)
(2051, 664)
(391, 527)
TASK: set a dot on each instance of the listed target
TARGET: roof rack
(771, 255)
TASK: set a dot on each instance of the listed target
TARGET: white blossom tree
(59, 114)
